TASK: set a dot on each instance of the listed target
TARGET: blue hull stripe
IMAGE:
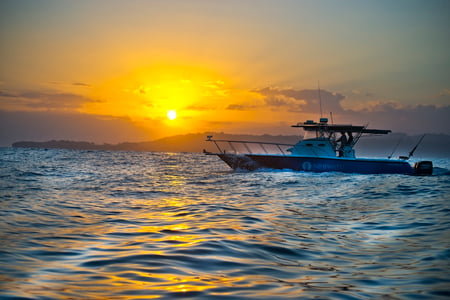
(317, 164)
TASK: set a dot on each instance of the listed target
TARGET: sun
(172, 114)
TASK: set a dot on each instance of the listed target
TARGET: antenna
(320, 99)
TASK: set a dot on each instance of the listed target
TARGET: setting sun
(172, 114)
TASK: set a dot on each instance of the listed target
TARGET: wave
(106, 224)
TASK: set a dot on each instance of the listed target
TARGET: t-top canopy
(323, 126)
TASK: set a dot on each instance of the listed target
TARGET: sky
(110, 71)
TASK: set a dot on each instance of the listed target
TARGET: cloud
(81, 84)
(307, 100)
(7, 95)
(382, 114)
(199, 107)
(41, 100)
(443, 98)
(240, 107)
(142, 90)
(377, 106)
(218, 84)
(408, 119)
(281, 101)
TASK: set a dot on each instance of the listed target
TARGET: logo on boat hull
(306, 166)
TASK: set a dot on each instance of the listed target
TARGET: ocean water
(143, 225)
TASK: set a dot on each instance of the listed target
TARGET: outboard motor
(423, 168)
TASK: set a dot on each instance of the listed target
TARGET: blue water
(142, 225)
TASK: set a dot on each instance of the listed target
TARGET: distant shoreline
(434, 145)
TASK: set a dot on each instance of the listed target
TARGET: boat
(324, 148)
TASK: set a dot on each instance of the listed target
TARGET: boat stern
(423, 168)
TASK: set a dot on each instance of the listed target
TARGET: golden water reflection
(155, 233)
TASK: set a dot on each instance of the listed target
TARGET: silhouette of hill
(433, 145)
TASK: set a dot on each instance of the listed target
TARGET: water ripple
(130, 225)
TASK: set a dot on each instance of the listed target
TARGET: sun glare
(178, 98)
(172, 114)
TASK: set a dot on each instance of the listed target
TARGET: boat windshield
(313, 134)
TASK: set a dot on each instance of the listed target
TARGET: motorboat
(324, 148)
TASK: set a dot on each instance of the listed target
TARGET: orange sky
(236, 66)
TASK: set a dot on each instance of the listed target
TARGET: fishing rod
(395, 148)
(413, 149)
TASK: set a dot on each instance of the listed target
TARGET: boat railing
(248, 147)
